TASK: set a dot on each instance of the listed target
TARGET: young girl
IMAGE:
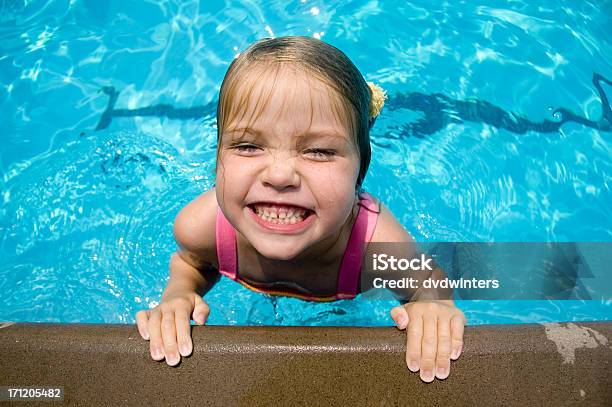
(287, 215)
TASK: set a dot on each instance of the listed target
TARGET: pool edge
(559, 364)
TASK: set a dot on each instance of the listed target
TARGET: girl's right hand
(167, 325)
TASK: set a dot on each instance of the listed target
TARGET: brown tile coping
(551, 364)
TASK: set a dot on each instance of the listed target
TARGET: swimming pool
(86, 214)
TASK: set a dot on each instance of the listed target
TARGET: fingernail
(413, 365)
(172, 360)
(156, 353)
(456, 352)
(184, 350)
(402, 321)
(427, 376)
(442, 373)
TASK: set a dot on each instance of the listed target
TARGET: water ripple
(86, 218)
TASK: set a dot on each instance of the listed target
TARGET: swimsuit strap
(361, 234)
(226, 246)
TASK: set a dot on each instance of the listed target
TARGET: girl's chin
(274, 252)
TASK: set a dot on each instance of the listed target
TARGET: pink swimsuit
(350, 268)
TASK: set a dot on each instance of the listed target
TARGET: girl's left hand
(435, 336)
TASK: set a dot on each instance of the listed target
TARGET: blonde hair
(352, 96)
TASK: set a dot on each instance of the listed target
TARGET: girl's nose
(281, 174)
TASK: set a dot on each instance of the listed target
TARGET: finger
(457, 326)
(183, 332)
(142, 320)
(168, 332)
(444, 349)
(156, 345)
(201, 311)
(429, 347)
(400, 317)
(413, 346)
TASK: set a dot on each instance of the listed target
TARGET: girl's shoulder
(388, 228)
(194, 230)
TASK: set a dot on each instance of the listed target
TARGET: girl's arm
(185, 277)
(192, 274)
(434, 327)
(192, 266)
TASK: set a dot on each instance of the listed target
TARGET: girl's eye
(321, 154)
(246, 148)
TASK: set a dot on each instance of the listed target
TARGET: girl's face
(287, 180)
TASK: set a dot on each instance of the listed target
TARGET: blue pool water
(86, 216)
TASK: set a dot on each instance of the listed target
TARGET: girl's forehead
(286, 95)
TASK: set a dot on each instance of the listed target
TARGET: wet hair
(350, 99)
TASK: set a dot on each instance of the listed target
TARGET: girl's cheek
(237, 163)
(336, 173)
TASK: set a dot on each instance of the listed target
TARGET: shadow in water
(161, 110)
(438, 111)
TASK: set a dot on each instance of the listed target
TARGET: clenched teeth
(280, 215)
